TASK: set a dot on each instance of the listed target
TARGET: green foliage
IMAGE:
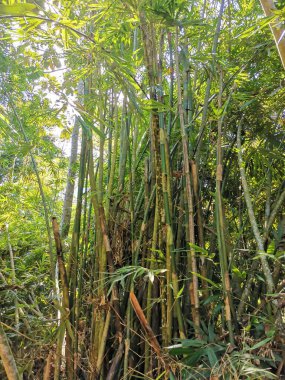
(113, 49)
(18, 9)
(223, 361)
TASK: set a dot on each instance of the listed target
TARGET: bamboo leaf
(260, 344)
(213, 359)
(193, 343)
(206, 279)
(198, 249)
(88, 125)
(16, 9)
(180, 292)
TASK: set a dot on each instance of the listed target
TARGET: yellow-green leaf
(16, 9)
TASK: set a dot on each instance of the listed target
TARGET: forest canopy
(142, 189)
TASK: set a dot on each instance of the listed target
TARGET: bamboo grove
(157, 250)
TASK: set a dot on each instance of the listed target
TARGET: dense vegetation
(154, 246)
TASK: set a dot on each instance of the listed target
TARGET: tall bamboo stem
(192, 264)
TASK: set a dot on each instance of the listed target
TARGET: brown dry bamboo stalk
(276, 29)
(150, 334)
(7, 357)
(47, 369)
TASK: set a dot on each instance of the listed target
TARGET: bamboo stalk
(17, 318)
(7, 357)
(152, 339)
(69, 191)
(65, 313)
(192, 264)
(47, 369)
(276, 29)
(220, 221)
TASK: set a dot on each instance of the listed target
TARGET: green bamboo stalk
(82, 250)
(192, 264)
(129, 313)
(69, 191)
(220, 221)
(188, 116)
(73, 266)
(166, 200)
(150, 285)
(124, 142)
(13, 272)
(171, 84)
(100, 219)
(113, 159)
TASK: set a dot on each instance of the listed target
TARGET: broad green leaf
(16, 9)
